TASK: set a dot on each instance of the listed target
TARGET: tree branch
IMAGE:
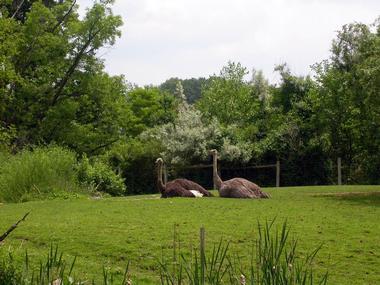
(103, 145)
(12, 228)
(17, 9)
(72, 68)
(64, 16)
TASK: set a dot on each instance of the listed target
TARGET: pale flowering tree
(179, 92)
(189, 138)
(241, 151)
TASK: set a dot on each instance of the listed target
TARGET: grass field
(110, 231)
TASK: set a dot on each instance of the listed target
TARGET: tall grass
(54, 270)
(273, 261)
(42, 172)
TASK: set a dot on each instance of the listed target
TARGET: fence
(266, 175)
(202, 173)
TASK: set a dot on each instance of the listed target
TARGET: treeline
(54, 91)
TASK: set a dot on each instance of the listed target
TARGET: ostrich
(179, 187)
(235, 187)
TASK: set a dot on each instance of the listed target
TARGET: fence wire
(292, 173)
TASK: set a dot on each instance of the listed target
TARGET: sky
(196, 38)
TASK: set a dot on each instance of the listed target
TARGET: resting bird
(179, 187)
(235, 187)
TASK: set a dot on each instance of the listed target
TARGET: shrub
(135, 161)
(101, 177)
(38, 173)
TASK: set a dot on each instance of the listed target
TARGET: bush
(39, 173)
(101, 177)
(135, 161)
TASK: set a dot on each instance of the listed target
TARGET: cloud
(191, 38)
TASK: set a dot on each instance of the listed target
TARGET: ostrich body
(235, 187)
(179, 187)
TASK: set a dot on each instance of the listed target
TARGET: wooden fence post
(339, 162)
(278, 173)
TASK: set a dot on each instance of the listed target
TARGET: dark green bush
(135, 162)
(100, 177)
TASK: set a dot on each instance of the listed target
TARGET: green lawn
(110, 231)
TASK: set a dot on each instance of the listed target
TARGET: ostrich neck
(160, 184)
(217, 181)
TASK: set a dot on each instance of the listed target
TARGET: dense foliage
(44, 172)
(100, 177)
(49, 172)
(54, 90)
(53, 87)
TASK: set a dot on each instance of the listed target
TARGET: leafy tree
(170, 85)
(191, 87)
(291, 91)
(150, 107)
(288, 131)
(228, 97)
(18, 9)
(261, 87)
(188, 139)
(348, 105)
(53, 86)
(179, 93)
(238, 104)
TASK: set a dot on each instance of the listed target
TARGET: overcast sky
(193, 38)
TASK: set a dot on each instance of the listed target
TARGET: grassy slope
(111, 231)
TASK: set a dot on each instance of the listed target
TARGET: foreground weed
(53, 271)
(274, 261)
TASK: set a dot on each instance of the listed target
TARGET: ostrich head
(214, 152)
(159, 161)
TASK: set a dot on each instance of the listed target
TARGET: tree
(228, 97)
(52, 85)
(179, 93)
(191, 87)
(150, 107)
(349, 104)
(288, 131)
(188, 139)
(260, 85)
